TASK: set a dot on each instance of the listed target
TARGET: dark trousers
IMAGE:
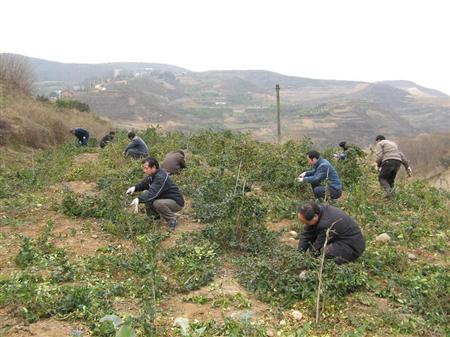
(83, 141)
(135, 154)
(340, 252)
(319, 192)
(388, 172)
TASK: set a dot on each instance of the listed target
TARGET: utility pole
(277, 88)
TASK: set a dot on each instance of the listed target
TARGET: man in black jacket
(107, 138)
(161, 196)
(346, 242)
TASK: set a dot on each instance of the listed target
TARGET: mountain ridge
(176, 98)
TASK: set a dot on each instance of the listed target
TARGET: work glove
(135, 204)
(302, 175)
(409, 171)
(300, 179)
(131, 190)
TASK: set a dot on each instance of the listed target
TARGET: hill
(76, 261)
(139, 94)
(26, 121)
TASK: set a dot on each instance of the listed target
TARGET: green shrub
(72, 104)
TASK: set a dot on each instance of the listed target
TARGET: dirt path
(287, 236)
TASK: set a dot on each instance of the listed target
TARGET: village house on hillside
(66, 94)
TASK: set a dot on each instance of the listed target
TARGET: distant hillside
(415, 89)
(139, 94)
(25, 121)
(75, 73)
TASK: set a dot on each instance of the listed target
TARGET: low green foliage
(236, 186)
(192, 262)
(72, 104)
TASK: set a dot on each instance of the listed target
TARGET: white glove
(300, 179)
(135, 204)
(302, 175)
(409, 171)
(131, 190)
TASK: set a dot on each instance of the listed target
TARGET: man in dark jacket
(137, 148)
(174, 162)
(81, 134)
(322, 170)
(107, 138)
(161, 196)
(389, 160)
(346, 242)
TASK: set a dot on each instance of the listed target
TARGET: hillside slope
(72, 253)
(26, 121)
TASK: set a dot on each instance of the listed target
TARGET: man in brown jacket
(389, 159)
(174, 162)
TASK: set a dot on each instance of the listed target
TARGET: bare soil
(285, 226)
(47, 328)
(223, 285)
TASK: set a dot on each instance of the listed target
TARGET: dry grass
(25, 121)
(426, 154)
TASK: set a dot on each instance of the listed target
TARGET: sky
(327, 39)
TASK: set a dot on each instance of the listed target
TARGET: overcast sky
(336, 39)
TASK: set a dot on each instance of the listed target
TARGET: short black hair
(380, 137)
(343, 144)
(313, 154)
(151, 162)
(308, 209)
(131, 135)
(112, 132)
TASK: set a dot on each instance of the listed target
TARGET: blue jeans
(135, 154)
(319, 192)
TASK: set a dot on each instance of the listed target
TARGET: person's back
(174, 162)
(345, 229)
(82, 135)
(389, 159)
(346, 242)
(386, 150)
(137, 148)
(106, 139)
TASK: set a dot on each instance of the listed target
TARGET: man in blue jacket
(161, 196)
(137, 148)
(322, 170)
(82, 135)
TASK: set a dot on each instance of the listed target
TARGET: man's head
(151, 166)
(309, 213)
(343, 145)
(72, 131)
(131, 135)
(112, 133)
(312, 156)
(379, 138)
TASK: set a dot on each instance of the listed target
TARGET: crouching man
(346, 242)
(161, 196)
